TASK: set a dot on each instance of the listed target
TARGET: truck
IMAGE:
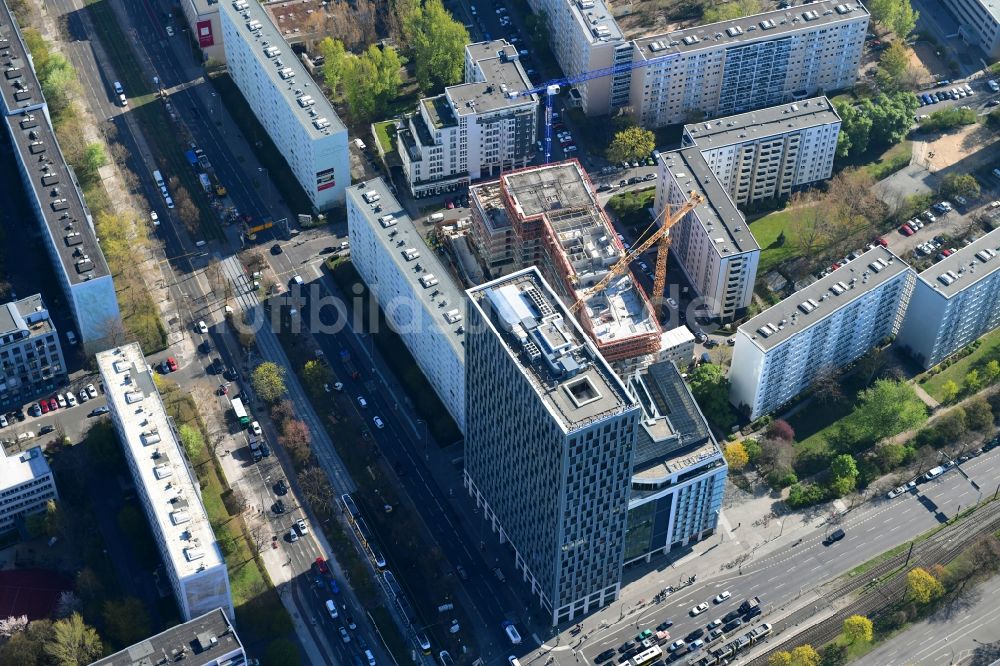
(345, 358)
(750, 607)
(206, 184)
(240, 412)
(220, 189)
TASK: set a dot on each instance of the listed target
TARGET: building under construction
(548, 216)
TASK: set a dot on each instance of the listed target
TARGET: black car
(694, 635)
(276, 249)
(279, 507)
(46, 429)
(205, 347)
(663, 626)
(230, 374)
(281, 488)
(731, 615)
(265, 449)
(730, 626)
(752, 613)
(216, 366)
(834, 537)
(464, 575)
(626, 646)
(604, 656)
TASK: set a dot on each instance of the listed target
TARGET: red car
(172, 364)
(44, 406)
(905, 230)
(883, 242)
(53, 405)
(449, 204)
(948, 252)
(321, 566)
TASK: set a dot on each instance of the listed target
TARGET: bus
(240, 411)
(646, 656)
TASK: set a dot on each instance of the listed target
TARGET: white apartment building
(208, 640)
(166, 485)
(473, 130)
(769, 153)
(713, 243)
(979, 24)
(415, 290)
(287, 102)
(31, 358)
(678, 472)
(820, 328)
(26, 485)
(711, 70)
(65, 223)
(954, 302)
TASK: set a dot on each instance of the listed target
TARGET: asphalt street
(782, 577)
(965, 632)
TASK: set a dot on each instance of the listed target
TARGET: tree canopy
(268, 381)
(896, 15)
(922, 586)
(631, 144)
(710, 388)
(438, 42)
(874, 123)
(858, 628)
(736, 456)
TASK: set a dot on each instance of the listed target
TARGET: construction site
(549, 216)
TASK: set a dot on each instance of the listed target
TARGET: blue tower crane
(552, 88)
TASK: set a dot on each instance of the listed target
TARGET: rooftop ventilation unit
(272, 52)
(585, 4)
(878, 264)
(453, 316)
(690, 39)
(253, 26)
(428, 280)
(808, 306)
(838, 288)
(767, 24)
(734, 31)
(842, 9)
(657, 46)
(387, 221)
(240, 5)
(305, 101)
(321, 123)
(809, 16)
(767, 330)
(947, 278)
(986, 255)
(286, 73)
(411, 253)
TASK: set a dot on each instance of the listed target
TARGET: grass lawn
(766, 231)
(631, 208)
(987, 351)
(891, 161)
(385, 134)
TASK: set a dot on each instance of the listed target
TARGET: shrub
(781, 429)
(805, 494)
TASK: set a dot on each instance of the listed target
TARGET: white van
(934, 473)
(437, 217)
(158, 178)
(359, 144)
(371, 657)
(515, 638)
(331, 607)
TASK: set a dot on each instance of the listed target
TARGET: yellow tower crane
(676, 214)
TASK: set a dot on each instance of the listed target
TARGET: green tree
(859, 628)
(731, 10)
(833, 654)
(631, 143)
(125, 620)
(371, 81)
(193, 443)
(892, 117)
(855, 129)
(896, 15)
(73, 642)
(736, 456)
(334, 62)
(780, 659)
(949, 118)
(268, 380)
(973, 382)
(753, 449)
(949, 391)
(892, 66)
(804, 655)
(843, 465)
(315, 374)
(887, 408)
(978, 414)
(711, 389)
(991, 372)
(889, 456)
(960, 184)
(438, 42)
(923, 587)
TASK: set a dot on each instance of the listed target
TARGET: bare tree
(257, 535)
(316, 489)
(826, 387)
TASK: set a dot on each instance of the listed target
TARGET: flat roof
(965, 267)
(759, 27)
(596, 21)
(723, 222)
(23, 467)
(286, 71)
(823, 297)
(441, 297)
(201, 641)
(439, 112)
(562, 194)
(20, 87)
(490, 200)
(57, 197)
(148, 437)
(490, 49)
(28, 314)
(503, 77)
(773, 120)
(676, 337)
(566, 371)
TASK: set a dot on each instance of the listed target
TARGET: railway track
(874, 599)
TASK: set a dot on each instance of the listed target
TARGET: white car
(722, 596)
(123, 100)
(155, 218)
(91, 391)
(255, 428)
(169, 202)
(301, 525)
(170, 31)
(713, 624)
(344, 636)
(61, 400)
(71, 399)
(676, 645)
(699, 609)
(3, 420)
(362, 401)
(25, 435)
(378, 423)
(202, 328)
(696, 645)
